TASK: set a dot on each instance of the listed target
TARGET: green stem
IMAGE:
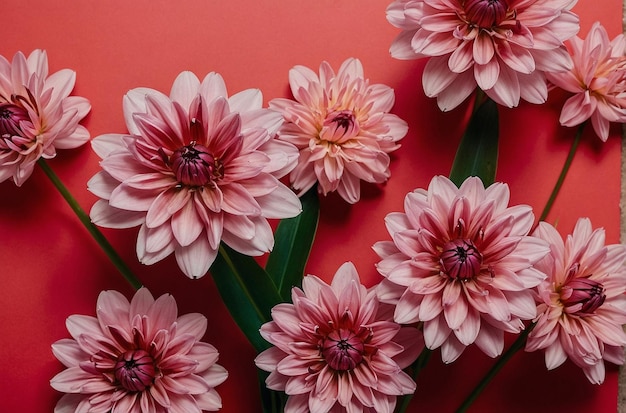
(417, 366)
(515, 347)
(93, 230)
(566, 166)
(478, 100)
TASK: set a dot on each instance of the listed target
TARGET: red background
(51, 268)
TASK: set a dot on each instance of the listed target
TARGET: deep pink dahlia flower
(581, 306)
(341, 125)
(197, 168)
(37, 114)
(137, 357)
(502, 46)
(338, 349)
(598, 80)
(462, 264)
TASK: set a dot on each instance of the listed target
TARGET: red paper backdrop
(51, 268)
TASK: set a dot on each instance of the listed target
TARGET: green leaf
(477, 154)
(247, 290)
(293, 241)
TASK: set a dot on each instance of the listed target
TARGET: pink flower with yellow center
(137, 357)
(581, 306)
(341, 125)
(197, 168)
(337, 348)
(598, 80)
(502, 46)
(37, 114)
(461, 262)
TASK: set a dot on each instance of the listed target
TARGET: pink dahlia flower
(502, 46)
(598, 80)
(462, 264)
(340, 124)
(37, 114)
(338, 349)
(581, 306)
(197, 168)
(137, 357)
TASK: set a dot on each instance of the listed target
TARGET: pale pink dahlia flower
(37, 114)
(137, 357)
(338, 349)
(502, 46)
(341, 125)
(197, 168)
(461, 262)
(581, 306)
(598, 80)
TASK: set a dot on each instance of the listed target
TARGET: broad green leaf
(247, 290)
(293, 240)
(477, 154)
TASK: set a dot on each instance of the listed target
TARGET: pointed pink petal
(490, 340)
(135, 102)
(195, 259)
(401, 47)
(256, 242)
(104, 215)
(68, 352)
(246, 101)
(106, 144)
(185, 89)
(213, 87)
(186, 224)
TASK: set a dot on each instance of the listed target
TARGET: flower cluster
(202, 173)
(462, 263)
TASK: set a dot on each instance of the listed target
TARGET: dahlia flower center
(486, 13)
(135, 370)
(582, 296)
(10, 118)
(339, 125)
(460, 259)
(194, 165)
(343, 349)
(344, 119)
